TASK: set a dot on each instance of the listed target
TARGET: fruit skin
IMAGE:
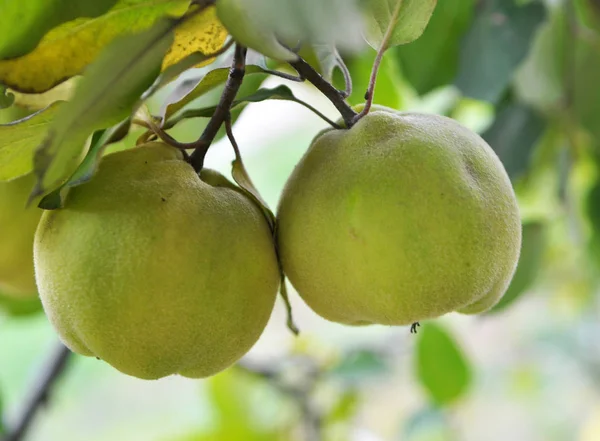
(155, 271)
(252, 30)
(402, 218)
(17, 228)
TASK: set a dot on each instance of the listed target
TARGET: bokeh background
(524, 74)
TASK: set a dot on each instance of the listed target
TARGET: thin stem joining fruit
(232, 86)
(307, 72)
(370, 94)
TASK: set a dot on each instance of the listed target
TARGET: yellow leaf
(203, 33)
(66, 50)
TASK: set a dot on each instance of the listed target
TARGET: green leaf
(88, 167)
(497, 42)
(427, 424)
(584, 84)
(234, 398)
(539, 80)
(278, 93)
(442, 368)
(24, 23)
(195, 87)
(70, 48)
(263, 25)
(513, 136)
(6, 99)
(405, 20)
(20, 307)
(345, 407)
(358, 366)
(532, 251)
(589, 13)
(441, 42)
(389, 84)
(19, 139)
(329, 59)
(106, 95)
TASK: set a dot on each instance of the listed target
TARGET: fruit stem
(232, 86)
(40, 394)
(336, 97)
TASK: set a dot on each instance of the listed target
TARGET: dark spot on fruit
(163, 199)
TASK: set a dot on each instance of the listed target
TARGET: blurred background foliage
(524, 74)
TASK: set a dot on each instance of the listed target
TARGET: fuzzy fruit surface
(17, 229)
(402, 218)
(154, 270)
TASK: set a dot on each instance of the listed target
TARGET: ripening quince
(401, 218)
(157, 270)
(17, 228)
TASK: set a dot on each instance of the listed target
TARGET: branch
(234, 81)
(337, 99)
(300, 393)
(40, 393)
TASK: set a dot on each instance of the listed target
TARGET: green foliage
(24, 24)
(108, 93)
(441, 366)
(403, 20)
(441, 42)
(19, 139)
(357, 366)
(513, 136)
(6, 99)
(533, 247)
(496, 44)
(19, 307)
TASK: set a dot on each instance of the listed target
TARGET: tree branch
(40, 393)
(337, 99)
(232, 86)
(300, 393)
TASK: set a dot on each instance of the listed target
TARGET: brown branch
(232, 86)
(40, 393)
(335, 96)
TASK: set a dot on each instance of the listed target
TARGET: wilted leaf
(68, 49)
(441, 42)
(106, 95)
(24, 23)
(441, 366)
(532, 251)
(497, 42)
(514, 135)
(406, 20)
(19, 139)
